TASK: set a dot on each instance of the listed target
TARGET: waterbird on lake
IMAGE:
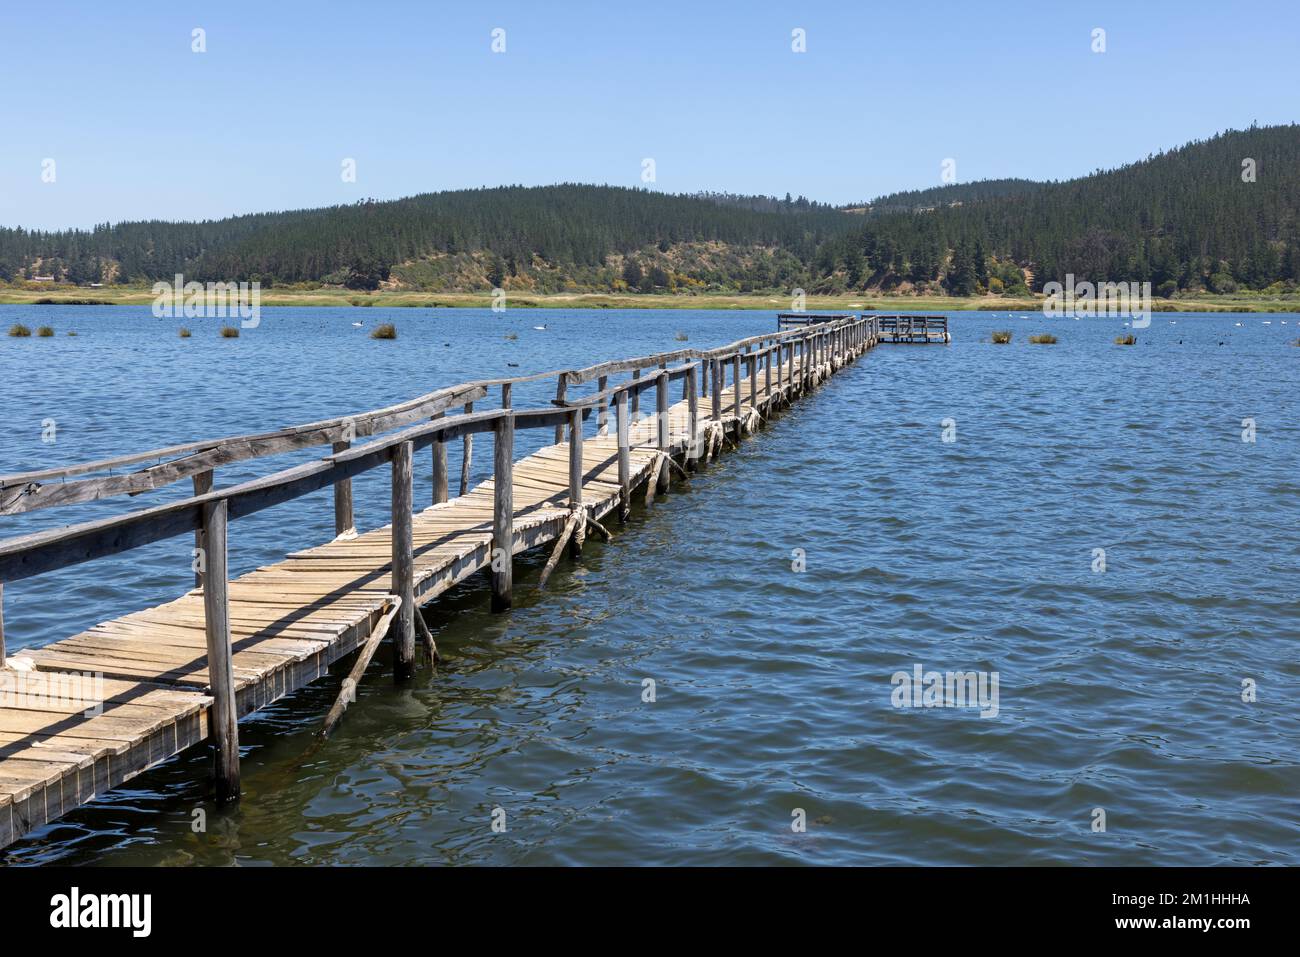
(541, 328)
(356, 325)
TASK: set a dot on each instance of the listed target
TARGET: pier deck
(152, 694)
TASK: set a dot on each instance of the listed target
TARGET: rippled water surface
(1119, 690)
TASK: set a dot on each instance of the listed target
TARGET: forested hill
(1218, 214)
(1186, 219)
(565, 226)
(954, 194)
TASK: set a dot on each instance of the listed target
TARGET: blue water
(1118, 690)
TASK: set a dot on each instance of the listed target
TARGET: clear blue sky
(140, 127)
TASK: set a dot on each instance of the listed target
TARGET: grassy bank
(142, 296)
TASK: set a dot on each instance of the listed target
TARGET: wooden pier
(915, 330)
(84, 714)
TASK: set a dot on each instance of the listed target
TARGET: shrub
(229, 332)
(1127, 340)
(681, 337)
(1043, 338)
(185, 333)
(18, 329)
(385, 330)
(1002, 336)
(45, 332)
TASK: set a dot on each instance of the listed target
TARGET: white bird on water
(356, 325)
(540, 328)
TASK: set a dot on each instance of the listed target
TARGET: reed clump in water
(45, 331)
(385, 330)
(1002, 336)
(1126, 340)
(229, 332)
(19, 330)
(185, 333)
(1043, 339)
(72, 332)
(512, 336)
(681, 337)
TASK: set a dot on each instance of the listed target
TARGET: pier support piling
(624, 457)
(343, 520)
(224, 719)
(692, 419)
(503, 511)
(202, 486)
(661, 416)
(403, 567)
(575, 479)
(468, 456)
(439, 452)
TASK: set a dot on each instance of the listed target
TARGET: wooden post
(767, 375)
(468, 456)
(661, 414)
(505, 395)
(2, 626)
(602, 417)
(692, 419)
(624, 457)
(202, 486)
(403, 568)
(503, 513)
(706, 366)
(717, 390)
(439, 468)
(343, 521)
(735, 385)
(636, 396)
(753, 381)
(560, 388)
(223, 720)
(575, 476)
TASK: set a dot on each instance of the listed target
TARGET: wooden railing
(421, 423)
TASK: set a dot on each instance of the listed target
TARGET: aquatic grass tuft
(681, 337)
(512, 336)
(45, 331)
(1002, 336)
(19, 330)
(185, 333)
(229, 332)
(385, 330)
(1043, 339)
(1126, 340)
(72, 332)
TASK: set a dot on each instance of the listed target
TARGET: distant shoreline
(133, 296)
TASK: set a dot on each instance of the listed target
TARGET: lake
(1118, 689)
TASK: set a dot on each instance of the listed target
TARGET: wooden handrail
(29, 491)
(27, 555)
